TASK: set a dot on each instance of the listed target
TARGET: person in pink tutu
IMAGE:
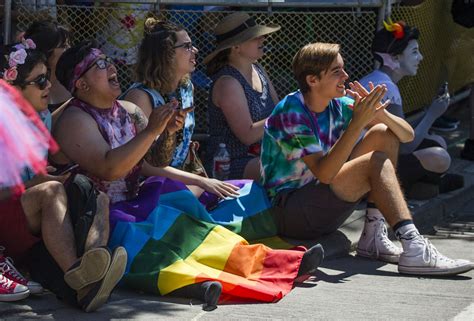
(41, 212)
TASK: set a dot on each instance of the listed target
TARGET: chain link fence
(447, 49)
(118, 27)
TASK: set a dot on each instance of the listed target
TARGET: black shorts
(310, 211)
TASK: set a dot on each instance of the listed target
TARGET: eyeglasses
(187, 45)
(101, 63)
(41, 81)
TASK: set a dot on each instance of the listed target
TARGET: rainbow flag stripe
(173, 241)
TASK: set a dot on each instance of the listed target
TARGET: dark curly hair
(70, 58)
(155, 63)
(385, 41)
(48, 35)
(33, 58)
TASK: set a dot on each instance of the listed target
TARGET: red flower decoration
(128, 21)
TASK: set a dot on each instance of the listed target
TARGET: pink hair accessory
(16, 58)
(10, 74)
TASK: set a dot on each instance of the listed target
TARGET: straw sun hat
(235, 29)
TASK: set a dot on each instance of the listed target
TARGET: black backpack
(82, 206)
(463, 12)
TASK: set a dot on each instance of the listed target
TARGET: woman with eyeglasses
(166, 58)
(52, 40)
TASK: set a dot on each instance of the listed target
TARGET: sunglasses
(187, 45)
(101, 63)
(41, 81)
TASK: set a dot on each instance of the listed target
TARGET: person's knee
(379, 162)
(383, 133)
(435, 159)
(53, 195)
(53, 189)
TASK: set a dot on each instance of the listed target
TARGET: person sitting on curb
(42, 210)
(166, 58)
(52, 40)
(318, 164)
(423, 161)
(241, 96)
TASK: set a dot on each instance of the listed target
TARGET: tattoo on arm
(139, 118)
(161, 151)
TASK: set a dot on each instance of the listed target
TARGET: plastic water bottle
(221, 163)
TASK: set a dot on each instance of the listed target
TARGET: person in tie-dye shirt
(322, 153)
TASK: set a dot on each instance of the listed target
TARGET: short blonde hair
(313, 59)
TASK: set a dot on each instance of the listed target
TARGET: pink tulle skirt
(24, 139)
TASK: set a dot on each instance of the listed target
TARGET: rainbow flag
(172, 241)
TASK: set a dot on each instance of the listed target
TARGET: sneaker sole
(14, 296)
(382, 257)
(445, 129)
(35, 289)
(92, 268)
(432, 271)
(112, 277)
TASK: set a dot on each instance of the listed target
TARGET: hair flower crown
(395, 28)
(16, 58)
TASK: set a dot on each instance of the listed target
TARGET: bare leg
(372, 172)
(252, 169)
(45, 207)
(381, 139)
(196, 190)
(99, 231)
(434, 159)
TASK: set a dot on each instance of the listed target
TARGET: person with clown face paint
(424, 161)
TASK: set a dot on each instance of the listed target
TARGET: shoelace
(5, 282)
(431, 253)
(382, 235)
(7, 266)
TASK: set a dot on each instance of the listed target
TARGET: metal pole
(380, 19)
(7, 23)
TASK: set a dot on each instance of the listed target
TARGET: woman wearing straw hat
(241, 96)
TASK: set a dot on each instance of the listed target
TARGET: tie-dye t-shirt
(292, 132)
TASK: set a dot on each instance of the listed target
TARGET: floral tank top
(117, 128)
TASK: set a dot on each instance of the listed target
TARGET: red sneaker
(11, 291)
(8, 269)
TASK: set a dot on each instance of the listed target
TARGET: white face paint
(410, 58)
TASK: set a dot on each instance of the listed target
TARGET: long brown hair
(218, 62)
(155, 66)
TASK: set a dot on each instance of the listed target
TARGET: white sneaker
(422, 258)
(374, 242)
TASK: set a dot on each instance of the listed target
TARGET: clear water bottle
(221, 163)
